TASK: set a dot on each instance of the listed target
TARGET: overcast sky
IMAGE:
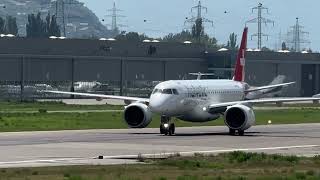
(165, 16)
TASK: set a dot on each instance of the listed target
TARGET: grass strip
(11, 122)
(234, 166)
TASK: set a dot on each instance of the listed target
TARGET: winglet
(239, 73)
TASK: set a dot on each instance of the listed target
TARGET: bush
(301, 175)
(140, 158)
(42, 111)
(241, 157)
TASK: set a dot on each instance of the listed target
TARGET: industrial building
(129, 68)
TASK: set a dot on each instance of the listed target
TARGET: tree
(2, 23)
(179, 37)
(53, 28)
(198, 30)
(8, 25)
(131, 36)
(266, 49)
(188, 36)
(284, 46)
(232, 43)
(38, 28)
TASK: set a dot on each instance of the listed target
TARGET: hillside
(80, 21)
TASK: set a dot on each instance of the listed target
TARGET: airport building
(127, 68)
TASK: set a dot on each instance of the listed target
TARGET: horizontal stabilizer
(269, 87)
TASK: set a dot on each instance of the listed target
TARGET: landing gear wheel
(162, 129)
(165, 127)
(166, 132)
(172, 129)
(232, 132)
(241, 133)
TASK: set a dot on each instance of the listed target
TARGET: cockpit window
(175, 91)
(156, 91)
(167, 91)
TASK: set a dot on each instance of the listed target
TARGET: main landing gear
(166, 127)
(232, 132)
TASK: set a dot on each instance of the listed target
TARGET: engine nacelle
(239, 117)
(137, 115)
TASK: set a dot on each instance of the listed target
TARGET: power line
(115, 16)
(199, 8)
(60, 11)
(259, 20)
(296, 36)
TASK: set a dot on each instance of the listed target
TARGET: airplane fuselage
(185, 99)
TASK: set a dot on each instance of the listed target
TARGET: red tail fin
(240, 64)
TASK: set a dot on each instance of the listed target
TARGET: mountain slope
(80, 21)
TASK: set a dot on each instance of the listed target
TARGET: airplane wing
(101, 96)
(260, 101)
(268, 87)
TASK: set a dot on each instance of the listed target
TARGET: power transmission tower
(114, 15)
(296, 36)
(199, 9)
(60, 12)
(259, 20)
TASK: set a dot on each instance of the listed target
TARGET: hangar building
(129, 68)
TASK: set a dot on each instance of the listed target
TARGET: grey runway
(24, 149)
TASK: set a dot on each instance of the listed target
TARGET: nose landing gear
(232, 132)
(166, 127)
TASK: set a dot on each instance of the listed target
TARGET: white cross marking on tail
(243, 59)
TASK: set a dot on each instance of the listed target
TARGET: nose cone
(157, 103)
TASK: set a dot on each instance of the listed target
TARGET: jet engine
(239, 117)
(137, 115)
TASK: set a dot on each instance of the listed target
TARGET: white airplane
(198, 101)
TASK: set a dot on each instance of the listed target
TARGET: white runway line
(44, 161)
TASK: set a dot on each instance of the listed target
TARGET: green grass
(235, 165)
(114, 120)
(39, 120)
(50, 106)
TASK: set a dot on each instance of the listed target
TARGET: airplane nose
(157, 103)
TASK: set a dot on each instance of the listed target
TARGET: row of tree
(8, 25)
(41, 28)
(197, 35)
(36, 27)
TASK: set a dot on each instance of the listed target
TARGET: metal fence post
(22, 80)
(121, 78)
(72, 77)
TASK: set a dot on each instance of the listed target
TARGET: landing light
(204, 109)
(166, 125)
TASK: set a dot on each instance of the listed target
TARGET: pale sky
(165, 16)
